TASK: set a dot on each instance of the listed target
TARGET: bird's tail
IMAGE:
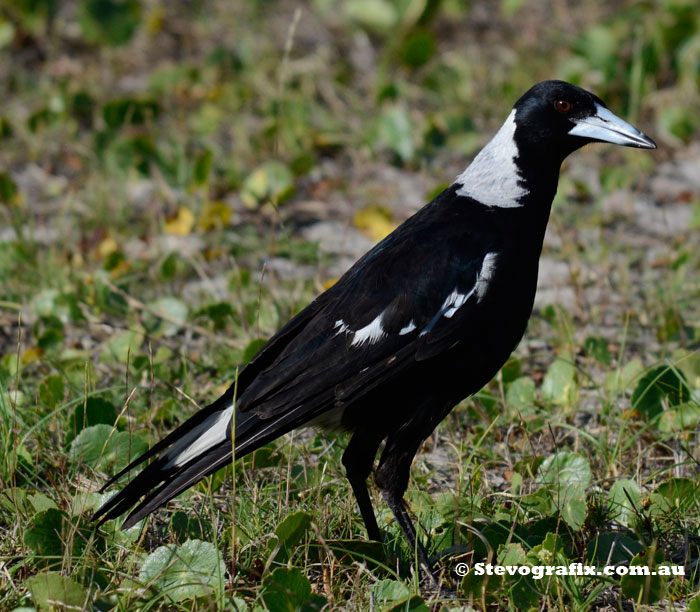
(197, 448)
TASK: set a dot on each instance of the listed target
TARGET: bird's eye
(563, 106)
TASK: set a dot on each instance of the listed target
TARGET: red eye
(563, 106)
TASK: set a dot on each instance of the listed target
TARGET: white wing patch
(372, 332)
(493, 178)
(206, 435)
(408, 329)
(488, 267)
(453, 302)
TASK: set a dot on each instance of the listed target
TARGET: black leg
(392, 479)
(358, 459)
(398, 508)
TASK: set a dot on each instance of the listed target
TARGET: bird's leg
(392, 479)
(398, 507)
(358, 459)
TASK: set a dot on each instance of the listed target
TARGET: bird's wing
(393, 310)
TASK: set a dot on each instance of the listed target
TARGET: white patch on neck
(493, 178)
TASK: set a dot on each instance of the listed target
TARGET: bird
(423, 320)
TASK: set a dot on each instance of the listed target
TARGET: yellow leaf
(330, 282)
(181, 224)
(31, 354)
(106, 247)
(214, 215)
(374, 221)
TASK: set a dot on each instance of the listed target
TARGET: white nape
(493, 177)
(372, 332)
(205, 436)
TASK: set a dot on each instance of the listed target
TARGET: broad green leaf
(676, 495)
(625, 501)
(52, 591)
(103, 448)
(521, 395)
(190, 570)
(388, 591)
(165, 317)
(682, 417)
(44, 535)
(376, 15)
(289, 532)
(288, 590)
(122, 346)
(94, 411)
(395, 130)
(51, 391)
(658, 386)
(109, 22)
(559, 384)
(644, 589)
(613, 548)
(565, 468)
(270, 182)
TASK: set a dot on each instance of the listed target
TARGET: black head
(561, 118)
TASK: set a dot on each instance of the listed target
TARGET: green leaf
(8, 189)
(44, 535)
(622, 509)
(659, 386)
(202, 167)
(644, 589)
(559, 384)
(683, 417)
(395, 131)
(103, 448)
(521, 395)
(270, 182)
(289, 532)
(376, 15)
(566, 468)
(51, 590)
(288, 590)
(613, 548)
(122, 346)
(51, 391)
(109, 22)
(165, 317)
(389, 591)
(676, 495)
(191, 570)
(94, 411)
(622, 378)
(597, 347)
(418, 48)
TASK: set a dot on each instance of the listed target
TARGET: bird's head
(565, 117)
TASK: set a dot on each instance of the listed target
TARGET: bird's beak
(605, 126)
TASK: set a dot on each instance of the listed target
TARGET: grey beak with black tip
(605, 126)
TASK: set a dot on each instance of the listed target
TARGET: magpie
(423, 320)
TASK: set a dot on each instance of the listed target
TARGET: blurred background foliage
(205, 94)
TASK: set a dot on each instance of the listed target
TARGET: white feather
(408, 329)
(206, 435)
(493, 177)
(372, 332)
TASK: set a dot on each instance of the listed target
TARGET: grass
(155, 191)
